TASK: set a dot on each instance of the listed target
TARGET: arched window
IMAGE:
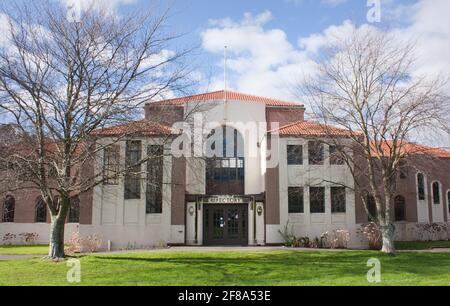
(436, 193)
(225, 165)
(400, 208)
(9, 206)
(421, 186)
(74, 212)
(41, 212)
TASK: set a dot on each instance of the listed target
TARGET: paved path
(221, 249)
(13, 257)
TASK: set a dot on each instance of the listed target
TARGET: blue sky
(274, 43)
(271, 41)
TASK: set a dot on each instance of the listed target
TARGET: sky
(271, 44)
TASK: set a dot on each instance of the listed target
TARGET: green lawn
(421, 245)
(23, 249)
(234, 268)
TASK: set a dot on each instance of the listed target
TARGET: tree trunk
(388, 233)
(56, 247)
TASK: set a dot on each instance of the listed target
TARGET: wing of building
(226, 168)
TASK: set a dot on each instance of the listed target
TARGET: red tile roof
(411, 149)
(310, 128)
(143, 127)
(230, 95)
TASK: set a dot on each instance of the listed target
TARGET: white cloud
(431, 29)
(333, 2)
(110, 6)
(4, 29)
(261, 61)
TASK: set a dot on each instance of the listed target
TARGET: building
(256, 167)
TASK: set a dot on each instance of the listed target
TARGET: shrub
(432, 231)
(8, 238)
(288, 236)
(78, 244)
(335, 239)
(29, 238)
(371, 232)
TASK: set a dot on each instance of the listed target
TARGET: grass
(421, 245)
(257, 268)
(23, 249)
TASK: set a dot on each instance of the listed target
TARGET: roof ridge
(238, 96)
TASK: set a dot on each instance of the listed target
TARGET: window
(111, 159)
(336, 156)
(436, 193)
(225, 166)
(9, 206)
(133, 170)
(295, 155)
(448, 201)
(400, 208)
(315, 153)
(40, 211)
(421, 186)
(295, 200)
(403, 170)
(74, 212)
(154, 179)
(338, 200)
(371, 207)
(317, 200)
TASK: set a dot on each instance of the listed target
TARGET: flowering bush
(78, 244)
(336, 239)
(373, 235)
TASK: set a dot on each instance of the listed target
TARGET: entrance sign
(225, 200)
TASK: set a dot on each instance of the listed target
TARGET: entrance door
(225, 224)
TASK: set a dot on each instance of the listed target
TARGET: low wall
(41, 229)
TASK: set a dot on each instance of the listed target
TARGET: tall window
(338, 200)
(225, 169)
(133, 170)
(436, 193)
(448, 201)
(9, 205)
(295, 200)
(317, 200)
(111, 159)
(400, 208)
(336, 156)
(403, 169)
(295, 155)
(371, 207)
(421, 186)
(40, 212)
(74, 212)
(315, 153)
(154, 179)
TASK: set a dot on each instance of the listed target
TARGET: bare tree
(365, 86)
(61, 80)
